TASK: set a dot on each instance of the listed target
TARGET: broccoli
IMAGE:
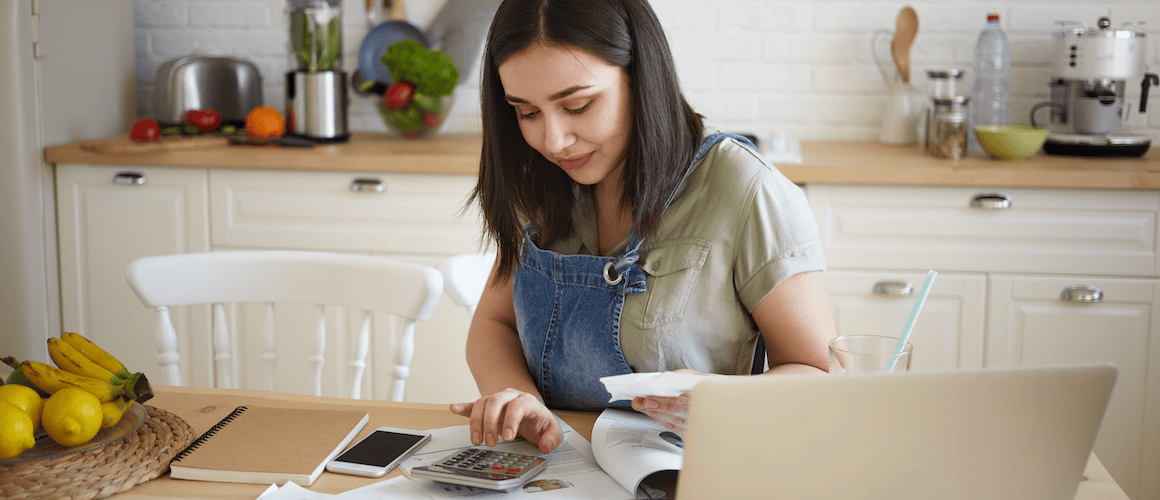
(432, 72)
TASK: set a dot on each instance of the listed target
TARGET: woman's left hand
(672, 412)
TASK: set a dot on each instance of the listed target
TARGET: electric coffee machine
(1092, 70)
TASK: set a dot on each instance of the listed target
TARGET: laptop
(987, 434)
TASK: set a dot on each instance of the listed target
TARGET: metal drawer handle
(130, 178)
(368, 185)
(991, 201)
(1083, 293)
(896, 288)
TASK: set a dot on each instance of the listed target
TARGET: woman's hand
(671, 412)
(508, 413)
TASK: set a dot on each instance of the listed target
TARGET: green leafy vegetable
(432, 72)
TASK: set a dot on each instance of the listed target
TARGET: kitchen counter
(877, 163)
(365, 152)
(823, 162)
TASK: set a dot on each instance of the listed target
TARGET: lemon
(72, 416)
(24, 398)
(15, 431)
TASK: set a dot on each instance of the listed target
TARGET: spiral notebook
(256, 444)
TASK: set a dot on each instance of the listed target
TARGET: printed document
(631, 446)
(571, 473)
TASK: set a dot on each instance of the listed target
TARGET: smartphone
(378, 453)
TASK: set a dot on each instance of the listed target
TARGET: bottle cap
(992, 16)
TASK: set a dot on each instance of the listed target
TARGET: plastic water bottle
(992, 89)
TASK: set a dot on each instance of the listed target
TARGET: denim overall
(568, 314)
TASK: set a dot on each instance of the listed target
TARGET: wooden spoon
(906, 28)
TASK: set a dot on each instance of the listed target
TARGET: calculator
(489, 469)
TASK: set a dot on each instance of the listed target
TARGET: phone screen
(380, 448)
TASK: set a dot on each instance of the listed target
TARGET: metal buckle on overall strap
(610, 275)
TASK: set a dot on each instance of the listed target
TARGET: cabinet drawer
(409, 214)
(1110, 232)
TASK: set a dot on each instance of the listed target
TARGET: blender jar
(316, 93)
(316, 35)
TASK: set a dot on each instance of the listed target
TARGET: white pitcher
(900, 122)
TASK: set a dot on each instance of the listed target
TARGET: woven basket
(104, 471)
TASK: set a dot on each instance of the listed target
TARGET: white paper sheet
(663, 384)
(630, 447)
(291, 491)
(395, 488)
(571, 473)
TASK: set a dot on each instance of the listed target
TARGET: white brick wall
(800, 67)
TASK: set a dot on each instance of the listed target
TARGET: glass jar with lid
(944, 83)
(949, 128)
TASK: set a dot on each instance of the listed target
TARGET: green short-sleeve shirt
(735, 229)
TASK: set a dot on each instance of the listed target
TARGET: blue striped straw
(913, 317)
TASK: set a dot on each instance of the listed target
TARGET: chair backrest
(465, 276)
(363, 283)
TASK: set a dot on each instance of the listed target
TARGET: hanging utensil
(906, 29)
(880, 48)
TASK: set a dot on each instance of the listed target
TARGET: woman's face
(572, 107)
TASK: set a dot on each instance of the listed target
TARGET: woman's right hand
(508, 413)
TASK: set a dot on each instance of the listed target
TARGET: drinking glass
(868, 354)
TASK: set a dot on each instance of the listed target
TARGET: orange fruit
(264, 122)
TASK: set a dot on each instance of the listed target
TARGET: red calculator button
(514, 470)
(497, 467)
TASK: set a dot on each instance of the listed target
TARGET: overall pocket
(673, 267)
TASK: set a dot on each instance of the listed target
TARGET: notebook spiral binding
(208, 434)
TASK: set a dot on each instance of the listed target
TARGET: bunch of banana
(85, 366)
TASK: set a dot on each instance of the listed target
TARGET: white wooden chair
(363, 283)
(465, 276)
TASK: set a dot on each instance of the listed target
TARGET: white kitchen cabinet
(1030, 323)
(108, 216)
(1047, 231)
(391, 213)
(107, 219)
(410, 217)
(948, 333)
(1028, 245)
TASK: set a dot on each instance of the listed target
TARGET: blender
(1090, 112)
(316, 95)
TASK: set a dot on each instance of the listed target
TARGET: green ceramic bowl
(1011, 142)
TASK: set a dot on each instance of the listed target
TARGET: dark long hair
(516, 183)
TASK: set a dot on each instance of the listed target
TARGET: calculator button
(514, 470)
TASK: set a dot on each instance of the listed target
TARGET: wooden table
(202, 408)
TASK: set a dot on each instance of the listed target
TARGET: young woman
(629, 239)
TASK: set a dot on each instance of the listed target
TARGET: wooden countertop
(445, 154)
(877, 163)
(823, 162)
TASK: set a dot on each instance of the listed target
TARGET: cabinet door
(108, 216)
(410, 217)
(949, 330)
(409, 214)
(1047, 231)
(1030, 323)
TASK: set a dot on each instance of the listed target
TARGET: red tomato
(398, 95)
(145, 130)
(206, 120)
(431, 120)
